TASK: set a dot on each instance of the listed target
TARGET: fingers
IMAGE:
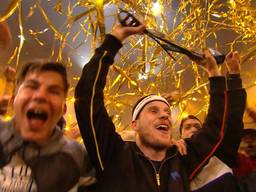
(207, 57)
(140, 28)
(233, 62)
(210, 64)
(172, 96)
(233, 56)
(10, 73)
(181, 146)
(122, 32)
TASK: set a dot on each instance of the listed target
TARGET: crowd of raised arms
(213, 155)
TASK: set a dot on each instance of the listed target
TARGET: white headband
(145, 101)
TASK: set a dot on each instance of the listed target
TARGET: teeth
(162, 126)
(37, 113)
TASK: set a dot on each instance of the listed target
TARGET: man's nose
(164, 115)
(41, 95)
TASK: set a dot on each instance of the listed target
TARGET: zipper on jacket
(157, 174)
(158, 179)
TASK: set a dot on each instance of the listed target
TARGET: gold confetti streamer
(57, 33)
(10, 10)
(142, 67)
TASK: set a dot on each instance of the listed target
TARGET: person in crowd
(247, 153)
(246, 167)
(150, 163)
(217, 174)
(251, 113)
(34, 153)
(7, 90)
(8, 82)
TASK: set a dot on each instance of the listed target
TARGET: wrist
(234, 72)
(214, 73)
(233, 75)
(118, 36)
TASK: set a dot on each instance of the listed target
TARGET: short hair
(186, 118)
(40, 66)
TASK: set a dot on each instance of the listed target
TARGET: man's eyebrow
(30, 81)
(168, 110)
(56, 86)
(51, 86)
(192, 124)
(152, 107)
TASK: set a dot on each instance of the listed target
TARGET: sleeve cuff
(234, 81)
(233, 76)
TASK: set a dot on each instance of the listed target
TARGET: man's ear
(11, 101)
(134, 125)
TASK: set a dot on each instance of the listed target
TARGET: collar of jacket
(54, 144)
(29, 150)
(171, 151)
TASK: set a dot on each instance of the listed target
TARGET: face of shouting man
(39, 104)
(153, 125)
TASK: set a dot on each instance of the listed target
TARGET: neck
(151, 152)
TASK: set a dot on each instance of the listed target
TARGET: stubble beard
(149, 143)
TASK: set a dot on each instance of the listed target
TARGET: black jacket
(217, 175)
(122, 166)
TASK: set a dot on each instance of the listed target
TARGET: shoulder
(72, 146)
(6, 129)
(75, 150)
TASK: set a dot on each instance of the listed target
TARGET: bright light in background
(142, 76)
(184, 115)
(233, 4)
(82, 57)
(156, 8)
(7, 117)
(99, 3)
(216, 15)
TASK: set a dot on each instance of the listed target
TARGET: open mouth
(162, 128)
(37, 114)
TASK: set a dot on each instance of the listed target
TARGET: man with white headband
(150, 163)
(144, 101)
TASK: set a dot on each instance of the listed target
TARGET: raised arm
(227, 151)
(97, 129)
(203, 145)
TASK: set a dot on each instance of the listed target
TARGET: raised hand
(181, 146)
(233, 62)
(10, 74)
(122, 32)
(209, 63)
